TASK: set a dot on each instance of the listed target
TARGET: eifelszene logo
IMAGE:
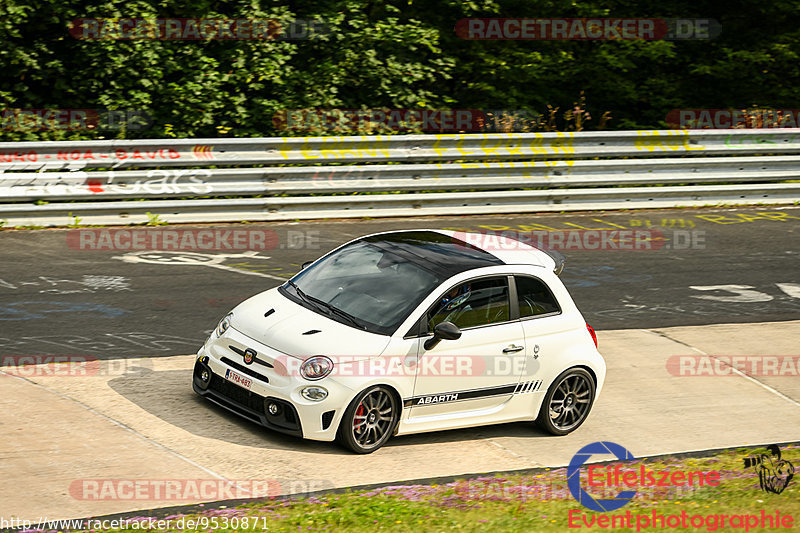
(774, 473)
(608, 479)
(574, 476)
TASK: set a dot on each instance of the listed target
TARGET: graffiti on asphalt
(716, 301)
(105, 342)
(36, 309)
(89, 283)
(199, 259)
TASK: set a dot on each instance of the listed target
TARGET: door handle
(513, 349)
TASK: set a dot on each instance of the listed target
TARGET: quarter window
(534, 297)
(474, 303)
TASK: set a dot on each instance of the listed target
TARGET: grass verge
(533, 501)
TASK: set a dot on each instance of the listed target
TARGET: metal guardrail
(182, 180)
(392, 148)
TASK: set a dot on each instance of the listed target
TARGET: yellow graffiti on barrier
(665, 141)
(511, 164)
(437, 144)
(462, 150)
(443, 146)
(355, 153)
(513, 149)
(511, 145)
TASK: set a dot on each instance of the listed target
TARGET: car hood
(294, 330)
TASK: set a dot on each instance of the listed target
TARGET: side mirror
(443, 331)
(306, 264)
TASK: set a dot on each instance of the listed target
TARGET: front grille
(255, 358)
(251, 405)
(236, 393)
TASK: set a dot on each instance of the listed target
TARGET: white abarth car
(406, 332)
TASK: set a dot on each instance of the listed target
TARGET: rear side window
(534, 297)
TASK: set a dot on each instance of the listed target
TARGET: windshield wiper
(316, 302)
(344, 314)
(303, 296)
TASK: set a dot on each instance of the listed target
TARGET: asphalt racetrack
(59, 296)
(712, 284)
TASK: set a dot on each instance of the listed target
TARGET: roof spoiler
(558, 258)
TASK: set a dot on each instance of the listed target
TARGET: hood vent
(311, 332)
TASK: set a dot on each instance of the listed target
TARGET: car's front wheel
(369, 420)
(567, 402)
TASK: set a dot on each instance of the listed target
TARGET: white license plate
(239, 379)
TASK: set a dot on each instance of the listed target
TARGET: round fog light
(273, 408)
(204, 376)
(314, 394)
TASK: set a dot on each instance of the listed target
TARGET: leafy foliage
(388, 54)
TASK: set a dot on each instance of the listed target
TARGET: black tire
(370, 420)
(568, 402)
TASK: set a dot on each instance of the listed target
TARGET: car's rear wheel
(567, 402)
(370, 419)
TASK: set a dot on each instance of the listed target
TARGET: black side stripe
(528, 386)
(458, 396)
(447, 397)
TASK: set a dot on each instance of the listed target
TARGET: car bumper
(272, 385)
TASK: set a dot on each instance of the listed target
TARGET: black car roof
(441, 254)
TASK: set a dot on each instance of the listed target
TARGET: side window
(534, 297)
(474, 303)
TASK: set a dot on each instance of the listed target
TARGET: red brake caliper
(359, 412)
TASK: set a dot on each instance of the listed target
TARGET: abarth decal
(431, 399)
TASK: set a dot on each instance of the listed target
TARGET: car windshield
(374, 283)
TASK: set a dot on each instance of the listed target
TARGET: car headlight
(314, 393)
(224, 324)
(316, 367)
